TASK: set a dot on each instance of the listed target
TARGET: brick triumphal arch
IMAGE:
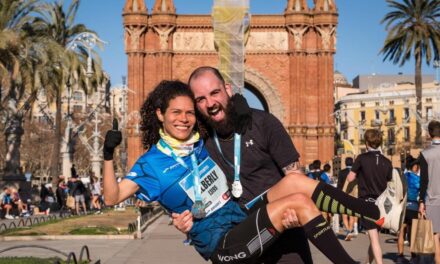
(289, 60)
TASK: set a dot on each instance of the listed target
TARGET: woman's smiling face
(179, 118)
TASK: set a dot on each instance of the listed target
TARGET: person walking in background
(316, 174)
(351, 188)
(73, 173)
(326, 175)
(412, 206)
(373, 170)
(96, 194)
(311, 171)
(77, 191)
(61, 195)
(429, 202)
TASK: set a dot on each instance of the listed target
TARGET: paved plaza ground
(162, 244)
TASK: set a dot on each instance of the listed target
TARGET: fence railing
(146, 216)
(29, 221)
(70, 257)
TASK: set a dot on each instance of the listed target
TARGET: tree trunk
(55, 168)
(13, 133)
(418, 84)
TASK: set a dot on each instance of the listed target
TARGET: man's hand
(112, 139)
(242, 114)
(290, 220)
(183, 222)
(422, 209)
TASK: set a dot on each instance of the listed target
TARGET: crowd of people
(420, 177)
(44, 199)
(230, 178)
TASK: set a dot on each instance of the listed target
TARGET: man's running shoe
(391, 204)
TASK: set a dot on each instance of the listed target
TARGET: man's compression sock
(329, 199)
(320, 233)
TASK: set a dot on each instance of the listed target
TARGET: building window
(429, 100)
(406, 134)
(391, 114)
(377, 104)
(429, 112)
(405, 113)
(77, 96)
(391, 136)
(120, 99)
(362, 115)
(377, 115)
(391, 102)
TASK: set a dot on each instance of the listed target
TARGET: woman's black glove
(241, 114)
(112, 139)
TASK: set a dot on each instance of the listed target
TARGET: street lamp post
(436, 65)
(66, 150)
(88, 41)
(124, 119)
(96, 158)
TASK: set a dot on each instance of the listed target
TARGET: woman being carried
(178, 172)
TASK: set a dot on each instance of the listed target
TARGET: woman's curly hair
(159, 98)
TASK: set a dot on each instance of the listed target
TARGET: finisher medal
(198, 210)
(237, 189)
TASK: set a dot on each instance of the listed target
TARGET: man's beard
(223, 128)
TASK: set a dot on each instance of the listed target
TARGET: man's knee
(301, 201)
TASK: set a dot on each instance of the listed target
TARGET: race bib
(213, 184)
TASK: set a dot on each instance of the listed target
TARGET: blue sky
(359, 35)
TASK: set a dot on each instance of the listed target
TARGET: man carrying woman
(177, 172)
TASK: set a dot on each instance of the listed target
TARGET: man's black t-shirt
(373, 171)
(265, 150)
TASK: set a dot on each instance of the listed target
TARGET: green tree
(59, 25)
(413, 32)
(19, 72)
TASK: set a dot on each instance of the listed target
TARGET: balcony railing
(376, 122)
(391, 142)
(390, 122)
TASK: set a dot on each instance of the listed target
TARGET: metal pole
(65, 147)
(96, 157)
(88, 41)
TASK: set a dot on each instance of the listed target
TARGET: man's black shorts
(245, 242)
(366, 224)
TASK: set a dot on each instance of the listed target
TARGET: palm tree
(413, 31)
(59, 25)
(18, 74)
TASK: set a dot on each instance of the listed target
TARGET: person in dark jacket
(78, 190)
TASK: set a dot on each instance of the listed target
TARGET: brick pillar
(135, 17)
(325, 26)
